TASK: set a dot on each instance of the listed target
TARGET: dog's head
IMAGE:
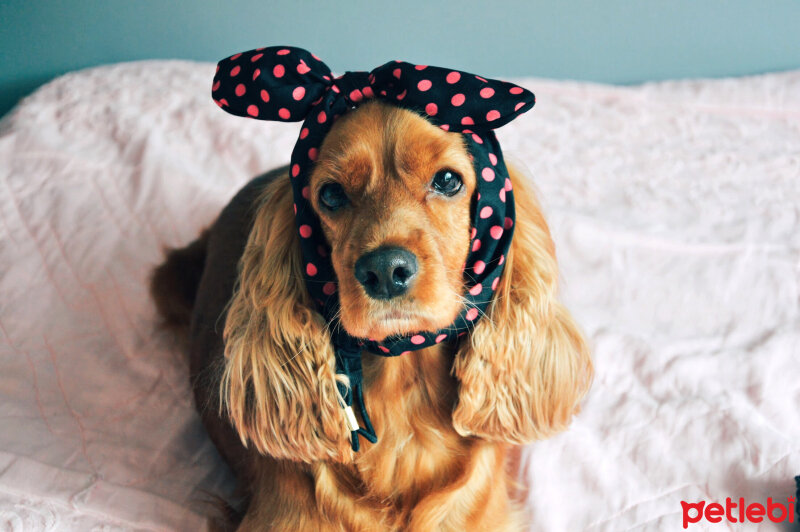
(394, 194)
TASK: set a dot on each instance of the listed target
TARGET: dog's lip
(397, 315)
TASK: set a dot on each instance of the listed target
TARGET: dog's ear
(525, 367)
(278, 385)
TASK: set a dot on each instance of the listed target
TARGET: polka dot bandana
(291, 84)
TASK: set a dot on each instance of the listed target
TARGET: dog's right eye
(332, 196)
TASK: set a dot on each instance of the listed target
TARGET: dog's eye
(332, 196)
(446, 182)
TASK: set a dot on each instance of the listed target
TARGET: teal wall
(616, 41)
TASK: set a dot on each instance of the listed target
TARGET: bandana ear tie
(348, 362)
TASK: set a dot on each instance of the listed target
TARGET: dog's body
(446, 416)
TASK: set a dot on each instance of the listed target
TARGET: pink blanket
(675, 208)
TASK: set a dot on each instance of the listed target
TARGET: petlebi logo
(740, 511)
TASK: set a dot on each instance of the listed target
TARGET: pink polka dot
(252, 110)
(421, 67)
(215, 87)
(492, 115)
(298, 93)
(284, 113)
(368, 92)
(472, 314)
(235, 70)
(493, 158)
(284, 51)
(322, 117)
(496, 231)
(487, 92)
(401, 95)
(502, 260)
(417, 339)
(519, 106)
(396, 73)
(445, 127)
(356, 95)
(328, 288)
(424, 85)
(482, 79)
(453, 77)
(479, 267)
(495, 283)
(440, 338)
(476, 244)
(458, 99)
(475, 290)
(294, 207)
(234, 57)
(477, 138)
(256, 57)
(486, 212)
(305, 231)
(304, 133)
(487, 174)
(431, 109)
(306, 192)
(264, 95)
(240, 89)
(508, 223)
(335, 89)
(473, 233)
(295, 170)
(223, 101)
(404, 353)
(508, 185)
(311, 269)
(278, 71)
(313, 153)
(502, 195)
(467, 121)
(256, 73)
(384, 349)
(303, 68)
(515, 90)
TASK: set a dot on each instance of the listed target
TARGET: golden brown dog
(447, 416)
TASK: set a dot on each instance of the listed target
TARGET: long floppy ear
(278, 386)
(526, 366)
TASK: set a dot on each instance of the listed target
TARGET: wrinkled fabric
(674, 208)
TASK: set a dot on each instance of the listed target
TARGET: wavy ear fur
(526, 366)
(278, 386)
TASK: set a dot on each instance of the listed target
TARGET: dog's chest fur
(410, 399)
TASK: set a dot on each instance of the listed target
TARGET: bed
(674, 206)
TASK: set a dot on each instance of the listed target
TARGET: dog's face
(393, 193)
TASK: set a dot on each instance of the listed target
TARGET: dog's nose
(386, 272)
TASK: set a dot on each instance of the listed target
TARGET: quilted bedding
(674, 207)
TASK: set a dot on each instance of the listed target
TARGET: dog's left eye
(446, 182)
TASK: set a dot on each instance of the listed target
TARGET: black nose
(386, 272)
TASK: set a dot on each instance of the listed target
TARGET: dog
(449, 416)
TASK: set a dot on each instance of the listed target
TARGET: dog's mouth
(382, 324)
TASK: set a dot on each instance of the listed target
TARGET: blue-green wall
(617, 41)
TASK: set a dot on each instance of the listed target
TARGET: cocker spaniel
(395, 196)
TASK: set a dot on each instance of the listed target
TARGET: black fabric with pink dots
(290, 84)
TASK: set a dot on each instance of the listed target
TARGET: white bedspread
(675, 208)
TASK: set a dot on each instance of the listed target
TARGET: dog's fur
(446, 416)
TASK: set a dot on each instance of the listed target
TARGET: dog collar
(291, 84)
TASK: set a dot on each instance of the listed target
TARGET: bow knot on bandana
(291, 84)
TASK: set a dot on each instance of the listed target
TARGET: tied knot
(354, 86)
